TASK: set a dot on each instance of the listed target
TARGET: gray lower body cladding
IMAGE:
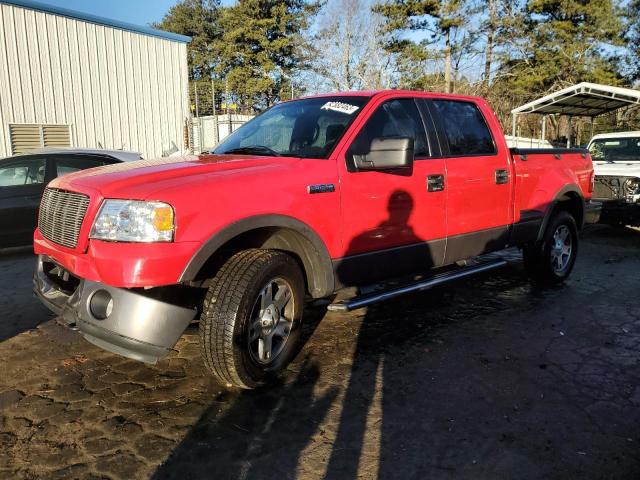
(135, 325)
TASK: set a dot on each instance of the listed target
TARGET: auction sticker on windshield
(340, 107)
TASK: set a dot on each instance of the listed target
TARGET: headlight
(134, 221)
(632, 186)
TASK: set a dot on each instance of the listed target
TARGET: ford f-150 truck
(312, 195)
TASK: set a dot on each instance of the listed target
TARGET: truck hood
(145, 178)
(617, 169)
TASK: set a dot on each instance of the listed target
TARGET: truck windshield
(616, 149)
(308, 128)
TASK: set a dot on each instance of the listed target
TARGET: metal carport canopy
(581, 100)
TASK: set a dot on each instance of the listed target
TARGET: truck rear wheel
(251, 317)
(551, 260)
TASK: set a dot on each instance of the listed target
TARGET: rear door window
(464, 127)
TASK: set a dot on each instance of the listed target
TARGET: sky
(138, 12)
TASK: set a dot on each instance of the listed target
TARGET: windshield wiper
(253, 149)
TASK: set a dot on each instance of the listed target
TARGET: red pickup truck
(313, 195)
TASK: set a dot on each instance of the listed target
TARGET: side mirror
(387, 154)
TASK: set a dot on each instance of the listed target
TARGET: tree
(491, 25)
(633, 37)
(565, 42)
(198, 19)
(346, 47)
(442, 21)
(263, 48)
(497, 26)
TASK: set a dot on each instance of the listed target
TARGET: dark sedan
(22, 182)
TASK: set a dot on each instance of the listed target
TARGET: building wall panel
(116, 88)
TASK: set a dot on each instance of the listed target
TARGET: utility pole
(216, 134)
(228, 102)
(195, 86)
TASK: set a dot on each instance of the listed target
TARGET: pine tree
(441, 20)
(262, 48)
(633, 37)
(497, 19)
(198, 19)
(565, 42)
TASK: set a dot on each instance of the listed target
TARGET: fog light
(101, 304)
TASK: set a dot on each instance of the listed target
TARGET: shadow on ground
(261, 436)
(488, 378)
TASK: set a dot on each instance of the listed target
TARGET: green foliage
(199, 19)
(564, 42)
(252, 49)
(262, 47)
(633, 37)
(440, 22)
(407, 15)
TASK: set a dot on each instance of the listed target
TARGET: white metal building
(74, 79)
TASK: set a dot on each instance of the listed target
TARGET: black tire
(229, 315)
(539, 258)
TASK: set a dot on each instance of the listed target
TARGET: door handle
(435, 183)
(502, 176)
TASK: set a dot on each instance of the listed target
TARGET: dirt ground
(488, 378)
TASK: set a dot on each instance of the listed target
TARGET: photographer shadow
(256, 434)
(368, 367)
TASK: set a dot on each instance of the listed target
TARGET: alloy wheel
(561, 249)
(271, 321)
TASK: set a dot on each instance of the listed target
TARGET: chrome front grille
(61, 216)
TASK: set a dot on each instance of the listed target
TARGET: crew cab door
(479, 179)
(391, 222)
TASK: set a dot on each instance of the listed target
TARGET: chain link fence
(214, 115)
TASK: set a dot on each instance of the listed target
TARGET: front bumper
(620, 212)
(126, 265)
(137, 327)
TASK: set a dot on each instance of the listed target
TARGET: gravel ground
(488, 378)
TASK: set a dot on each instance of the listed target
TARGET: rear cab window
(464, 128)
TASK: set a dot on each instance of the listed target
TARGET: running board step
(424, 284)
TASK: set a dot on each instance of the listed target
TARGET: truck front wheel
(551, 260)
(251, 317)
